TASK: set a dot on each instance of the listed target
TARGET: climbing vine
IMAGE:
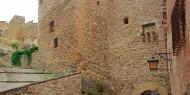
(17, 55)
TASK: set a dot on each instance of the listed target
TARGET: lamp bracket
(165, 56)
(164, 69)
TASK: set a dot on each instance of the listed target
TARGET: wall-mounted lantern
(153, 62)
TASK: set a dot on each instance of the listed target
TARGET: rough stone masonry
(104, 39)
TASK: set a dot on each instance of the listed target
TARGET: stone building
(25, 34)
(3, 27)
(18, 30)
(135, 33)
(178, 28)
(108, 40)
(31, 33)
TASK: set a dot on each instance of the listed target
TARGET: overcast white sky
(27, 8)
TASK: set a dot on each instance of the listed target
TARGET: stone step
(7, 86)
(24, 77)
(20, 70)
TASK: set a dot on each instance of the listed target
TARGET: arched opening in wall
(150, 92)
(143, 37)
(148, 36)
(154, 36)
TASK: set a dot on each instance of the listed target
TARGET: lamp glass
(153, 65)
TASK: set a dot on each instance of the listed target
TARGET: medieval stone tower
(135, 33)
(105, 39)
(16, 29)
(72, 33)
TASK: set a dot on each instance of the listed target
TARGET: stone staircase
(16, 77)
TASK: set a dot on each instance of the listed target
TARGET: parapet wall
(67, 85)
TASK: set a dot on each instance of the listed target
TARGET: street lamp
(153, 62)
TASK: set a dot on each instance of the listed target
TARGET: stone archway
(146, 87)
(150, 92)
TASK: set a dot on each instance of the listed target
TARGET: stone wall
(67, 85)
(180, 77)
(16, 29)
(45, 6)
(135, 33)
(109, 39)
(51, 57)
(82, 36)
(3, 27)
(187, 51)
(95, 46)
(31, 33)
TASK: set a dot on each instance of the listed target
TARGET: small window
(126, 20)
(98, 2)
(51, 26)
(55, 41)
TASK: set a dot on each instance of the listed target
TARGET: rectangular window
(55, 42)
(126, 20)
(51, 26)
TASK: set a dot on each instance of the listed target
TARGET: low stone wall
(65, 85)
(5, 60)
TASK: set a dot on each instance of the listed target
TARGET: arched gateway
(149, 88)
(150, 92)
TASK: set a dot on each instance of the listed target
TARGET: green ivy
(28, 53)
(16, 56)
